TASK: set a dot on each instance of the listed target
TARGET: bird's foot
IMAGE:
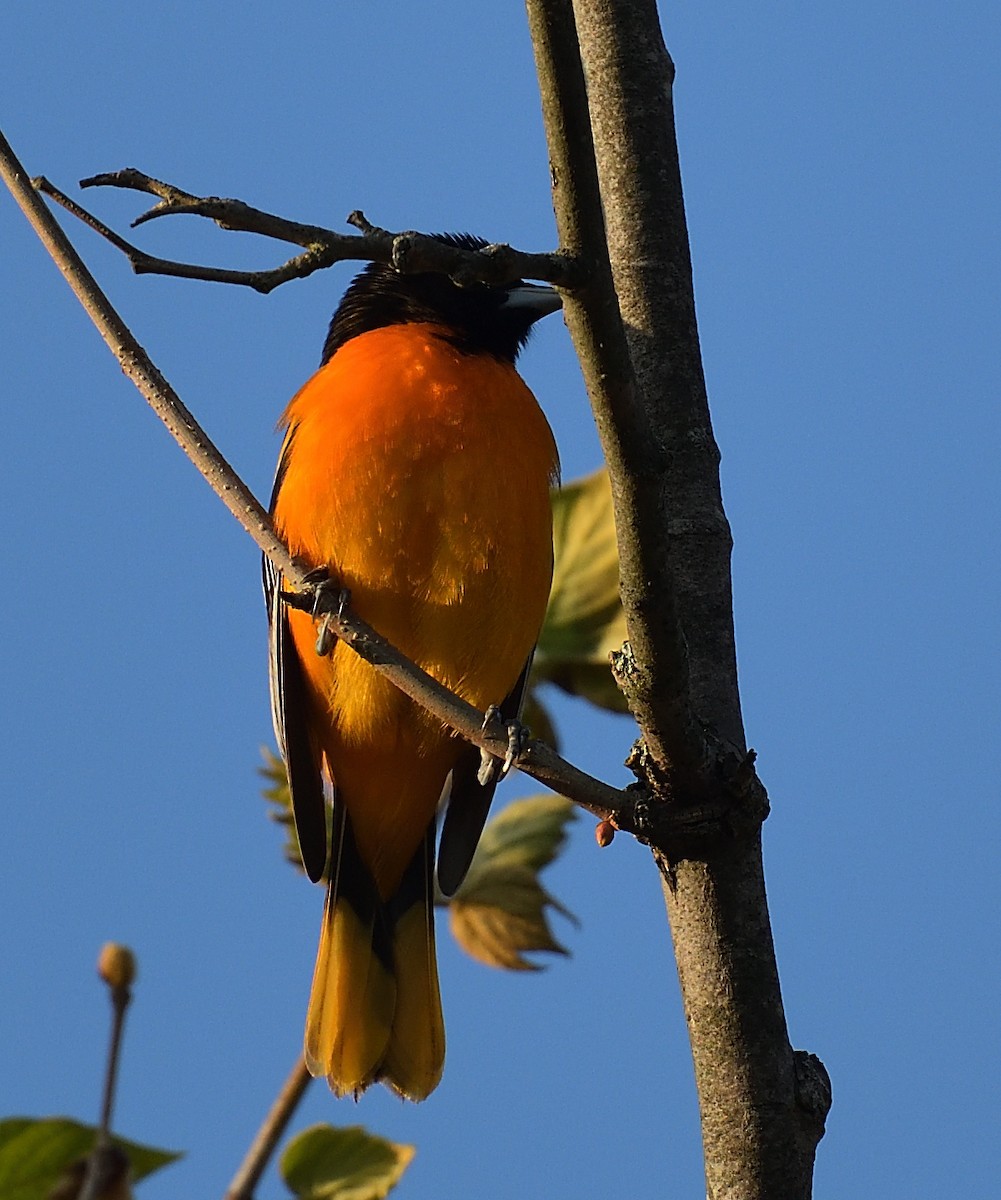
(492, 767)
(328, 601)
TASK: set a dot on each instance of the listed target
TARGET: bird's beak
(538, 298)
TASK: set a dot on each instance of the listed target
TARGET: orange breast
(421, 477)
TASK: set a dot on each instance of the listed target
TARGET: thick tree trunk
(763, 1106)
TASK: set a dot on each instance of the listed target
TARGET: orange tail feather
(375, 1010)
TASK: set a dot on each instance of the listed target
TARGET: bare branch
(107, 1162)
(408, 252)
(536, 758)
(136, 364)
(312, 259)
(249, 1173)
(760, 1127)
(630, 76)
(653, 673)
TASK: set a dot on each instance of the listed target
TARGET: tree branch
(658, 692)
(760, 1127)
(630, 76)
(536, 759)
(249, 1173)
(107, 1163)
(312, 259)
(408, 252)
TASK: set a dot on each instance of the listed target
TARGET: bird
(415, 470)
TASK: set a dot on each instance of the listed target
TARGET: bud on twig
(604, 831)
(116, 965)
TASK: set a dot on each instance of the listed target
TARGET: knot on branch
(416, 252)
(684, 817)
(813, 1090)
(624, 668)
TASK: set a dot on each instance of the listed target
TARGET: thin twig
(312, 259)
(120, 999)
(537, 760)
(116, 966)
(139, 368)
(408, 252)
(268, 1136)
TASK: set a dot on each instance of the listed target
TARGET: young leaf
(499, 912)
(35, 1152)
(324, 1163)
(530, 832)
(584, 621)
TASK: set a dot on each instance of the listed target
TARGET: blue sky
(842, 170)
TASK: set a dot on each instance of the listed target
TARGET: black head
(479, 319)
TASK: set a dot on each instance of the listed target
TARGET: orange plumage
(416, 468)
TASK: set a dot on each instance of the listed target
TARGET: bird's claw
(492, 767)
(330, 601)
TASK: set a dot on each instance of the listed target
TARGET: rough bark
(763, 1106)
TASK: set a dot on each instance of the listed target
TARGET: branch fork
(408, 252)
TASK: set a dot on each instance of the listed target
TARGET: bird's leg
(492, 766)
(329, 600)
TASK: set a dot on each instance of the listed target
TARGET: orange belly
(420, 476)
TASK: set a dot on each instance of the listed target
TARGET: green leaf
(500, 912)
(584, 621)
(528, 832)
(499, 915)
(324, 1163)
(34, 1153)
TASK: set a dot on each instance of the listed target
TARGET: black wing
(289, 703)
(469, 801)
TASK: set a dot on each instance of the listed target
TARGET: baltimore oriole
(416, 468)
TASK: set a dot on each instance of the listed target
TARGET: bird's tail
(374, 1010)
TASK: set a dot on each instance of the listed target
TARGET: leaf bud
(604, 831)
(116, 965)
